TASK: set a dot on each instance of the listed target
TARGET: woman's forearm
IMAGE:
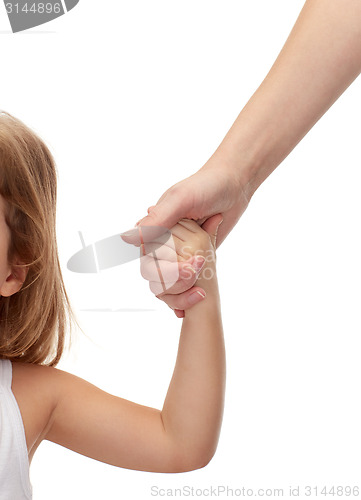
(320, 59)
(193, 408)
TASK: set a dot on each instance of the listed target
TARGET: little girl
(39, 401)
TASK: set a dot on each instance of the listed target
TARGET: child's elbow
(193, 460)
(190, 465)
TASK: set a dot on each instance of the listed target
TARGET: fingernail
(198, 263)
(187, 272)
(128, 233)
(196, 297)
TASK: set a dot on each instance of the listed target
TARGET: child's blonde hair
(33, 321)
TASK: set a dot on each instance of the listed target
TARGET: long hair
(35, 320)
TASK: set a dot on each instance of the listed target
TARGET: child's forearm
(193, 409)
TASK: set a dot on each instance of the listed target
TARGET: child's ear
(15, 279)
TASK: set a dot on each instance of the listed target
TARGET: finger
(181, 231)
(173, 249)
(139, 235)
(211, 226)
(189, 224)
(181, 285)
(188, 275)
(150, 209)
(171, 207)
(187, 271)
(185, 300)
(231, 217)
(168, 274)
(161, 252)
(161, 270)
(179, 313)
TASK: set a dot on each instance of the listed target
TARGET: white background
(132, 97)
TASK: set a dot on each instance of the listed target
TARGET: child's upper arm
(113, 430)
(63, 408)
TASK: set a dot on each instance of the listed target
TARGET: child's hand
(190, 249)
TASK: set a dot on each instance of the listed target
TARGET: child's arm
(193, 408)
(67, 410)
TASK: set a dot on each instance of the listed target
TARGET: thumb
(211, 226)
(167, 212)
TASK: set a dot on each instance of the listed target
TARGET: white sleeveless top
(14, 463)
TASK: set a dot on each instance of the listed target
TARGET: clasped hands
(173, 261)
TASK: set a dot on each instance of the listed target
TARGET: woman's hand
(217, 188)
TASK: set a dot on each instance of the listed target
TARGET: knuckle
(187, 277)
(197, 244)
(156, 289)
(144, 271)
(204, 237)
(148, 269)
(168, 270)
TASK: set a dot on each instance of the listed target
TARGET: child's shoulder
(50, 398)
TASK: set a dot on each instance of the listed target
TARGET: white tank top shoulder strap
(14, 461)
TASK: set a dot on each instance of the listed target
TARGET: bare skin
(318, 62)
(60, 407)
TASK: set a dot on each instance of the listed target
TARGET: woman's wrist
(239, 165)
